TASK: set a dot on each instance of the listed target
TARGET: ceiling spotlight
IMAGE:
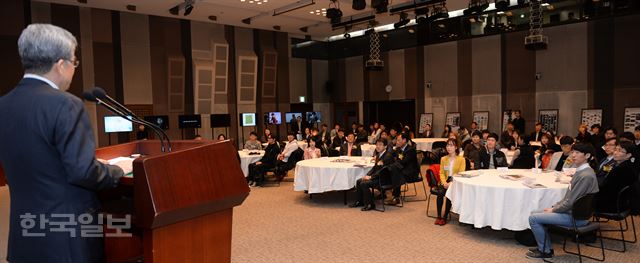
(175, 10)
(476, 6)
(131, 8)
(359, 4)
(247, 21)
(187, 9)
(304, 29)
(439, 12)
(213, 18)
(347, 35)
(277, 28)
(187, 6)
(380, 5)
(404, 20)
(421, 16)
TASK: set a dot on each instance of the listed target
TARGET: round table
(324, 174)
(490, 200)
(246, 159)
(425, 144)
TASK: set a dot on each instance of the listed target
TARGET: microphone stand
(119, 113)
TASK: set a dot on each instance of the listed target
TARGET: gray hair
(42, 45)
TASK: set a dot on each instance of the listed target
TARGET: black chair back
(623, 201)
(467, 164)
(431, 178)
(583, 207)
(439, 145)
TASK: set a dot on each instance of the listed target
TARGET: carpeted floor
(276, 224)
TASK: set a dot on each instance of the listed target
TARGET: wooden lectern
(181, 202)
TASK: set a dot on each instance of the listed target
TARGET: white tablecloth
(246, 159)
(425, 144)
(489, 200)
(321, 175)
(301, 144)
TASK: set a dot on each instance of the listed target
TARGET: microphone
(87, 95)
(99, 93)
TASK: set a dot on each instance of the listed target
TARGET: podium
(181, 203)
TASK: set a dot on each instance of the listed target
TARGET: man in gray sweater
(583, 182)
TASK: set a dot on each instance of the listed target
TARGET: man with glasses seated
(492, 158)
(383, 158)
(582, 183)
(622, 174)
(606, 162)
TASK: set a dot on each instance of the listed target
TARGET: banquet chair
(582, 210)
(414, 181)
(281, 171)
(622, 213)
(384, 186)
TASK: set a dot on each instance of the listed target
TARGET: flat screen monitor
(273, 118)
(220, 120)
(314, 116)
(289, 116)
(161, 120)
(248, 119)
(189, 121)
(117, 124)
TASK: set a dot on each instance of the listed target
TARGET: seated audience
(485, 135)
(406, 166)
(253, 143)
(636, 135)
(606, 162)
(268, 161)
(350, 148)
(265, 135)
(508, 132)
(524, 157)
(427, 133)
(198, 137)
(473, 149)
(307, 133)
(583, 134)
(375, 134)
(222, 137)
(388, 142)
(508, 140)
(449, 165)
(324, 135)
(311, 152)
(547, 149)
(383, 158)
(492, 158)
(446, 132)
(473, 127)
(536, 136)
(289, 148)
(518, 121)
(463, 135)
(561, 159)
(334, 131)
(623, 174)
(627, 136)
(582, 183)
(597, 139)
(361, 136)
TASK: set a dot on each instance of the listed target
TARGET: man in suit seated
(492, 158)
(607, 162)
(383, 158)
(268, 161)
(536, 136)
(362, 135)
(405, 168)
(350, 148)
(622, 174)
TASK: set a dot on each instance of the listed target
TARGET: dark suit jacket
(49, 160)
(297, 129)
(362, 137)
(499, 159)
(619, 177)
(603, 169)
(270, 155)
(533, 136)
(407, 162)
(387, 159)
(326, 139)
(526, 159)
(354, 152)
(337, 142)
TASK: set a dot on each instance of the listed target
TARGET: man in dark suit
(297, 126)
(350, 148)
(606, 162)
(536, 136)
(492, 158)
(406, 165)
(384, 158)
(268, 161)
(49, 155)
(325, 135)
(518, 122)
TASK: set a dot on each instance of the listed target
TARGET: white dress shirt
(289, 148)
(38, 77)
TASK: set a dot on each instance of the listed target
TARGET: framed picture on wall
(453, 119)
(482, 119)
(591, 117)
(507, 116)
(549, 120)
(631, 118)
(425, 118)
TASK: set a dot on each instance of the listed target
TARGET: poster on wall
(549, 120)
(425, 118)
(631, 119)
(482, 119)
(591, 117)
(507, 116)
(453, 119)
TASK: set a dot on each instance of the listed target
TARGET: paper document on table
(125, 163)
(533, 185)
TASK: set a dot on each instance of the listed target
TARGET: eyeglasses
(74, 62)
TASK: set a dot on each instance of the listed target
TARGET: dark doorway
(390, 112)
(345, 114)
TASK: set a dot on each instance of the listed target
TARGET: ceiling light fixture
(404, 20)
(187, 6)
(293, 6)
(334, 13)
